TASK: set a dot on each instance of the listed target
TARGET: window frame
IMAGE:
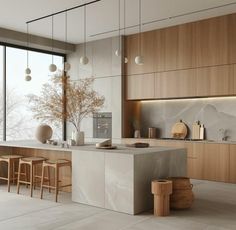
(5, 45)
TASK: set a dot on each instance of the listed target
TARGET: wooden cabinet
(147, 51)
(175, 84)
(232, 164)
(215, 81)
(216, 162)
(211, 41)
(140, 87)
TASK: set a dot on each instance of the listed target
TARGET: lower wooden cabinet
(232, 164)
(205, 161)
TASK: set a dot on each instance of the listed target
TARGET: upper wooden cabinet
(140, 87)
(147, 51)
(211, 42)
(175, 84)
(232, 162)
(215, 81)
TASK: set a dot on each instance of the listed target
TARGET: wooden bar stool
(56, 165)
(32, 162)
(12, 161)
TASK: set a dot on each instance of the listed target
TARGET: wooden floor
(214, 209)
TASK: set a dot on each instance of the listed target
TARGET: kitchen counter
(118, 179)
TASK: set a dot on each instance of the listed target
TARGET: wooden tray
(138, 145)
(107, 147)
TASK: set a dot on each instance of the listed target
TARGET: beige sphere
(44, 133)
(52, 68)
(84, 60)
(28, 78)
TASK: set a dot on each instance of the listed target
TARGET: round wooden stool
(56, 165)
(161, 190)
(12, 161)
(32, 162)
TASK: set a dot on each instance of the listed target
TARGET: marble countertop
(121, 149)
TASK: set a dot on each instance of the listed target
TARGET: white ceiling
(103, 16)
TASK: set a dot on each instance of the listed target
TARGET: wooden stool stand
(32, 162)
(56, 165)
(161, 190)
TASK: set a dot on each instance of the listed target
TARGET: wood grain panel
(216, 162)
(215, 81)
(232, 165)
(232, 38)
(140, 87)
(175, 84)
(211, 41)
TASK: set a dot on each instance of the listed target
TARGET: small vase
(79, 138)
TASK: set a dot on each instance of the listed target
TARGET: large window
(1, 93)
(20, 123)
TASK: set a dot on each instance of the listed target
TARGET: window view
(1, 91)
(20, 122)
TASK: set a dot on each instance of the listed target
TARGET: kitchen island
(118, 179)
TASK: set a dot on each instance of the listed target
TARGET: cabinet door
(215, 81)
(216, 162)
(147, 51)
(175, 84)
(211, 42)
(232, 165)
(140, 87)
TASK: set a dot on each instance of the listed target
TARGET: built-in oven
(102, 125)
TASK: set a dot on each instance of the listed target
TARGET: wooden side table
(161, 190)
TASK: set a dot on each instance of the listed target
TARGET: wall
(214, 113)
(105, 67)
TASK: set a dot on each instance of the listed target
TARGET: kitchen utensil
(152, 132)
(196, 130)
(179, 130)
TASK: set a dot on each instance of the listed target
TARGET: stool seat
(7, 157)
(33, 159)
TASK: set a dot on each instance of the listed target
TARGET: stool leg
(18, 181)
(42, 183)
(9, 176)
(26, 174)
(31, 179)
(56, 182)
(49, 180)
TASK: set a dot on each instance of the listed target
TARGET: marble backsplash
(214, 113)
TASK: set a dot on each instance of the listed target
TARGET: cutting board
(179, 130)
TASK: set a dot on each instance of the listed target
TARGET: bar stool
(11, 160)
(56, 165)
(32, 162)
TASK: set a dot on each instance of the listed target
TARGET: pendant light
(66, 64)
(52, 67)
(84, 60)
(125, 59)
(118, 51)
(28, 70)
(139, 60)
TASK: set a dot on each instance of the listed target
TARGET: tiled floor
(214, 209)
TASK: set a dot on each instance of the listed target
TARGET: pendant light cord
(66, 31)
(119, 26)
(140, 29)
(52, 38)
(27, 55)
(85, 21)
(124, 17)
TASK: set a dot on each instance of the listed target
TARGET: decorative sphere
(118, 53)
(84, 60)
(52, 68)
(28, 78)
(27, 71)
(66, 66)
(43, 133)
(139, 60)
(126, 60)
